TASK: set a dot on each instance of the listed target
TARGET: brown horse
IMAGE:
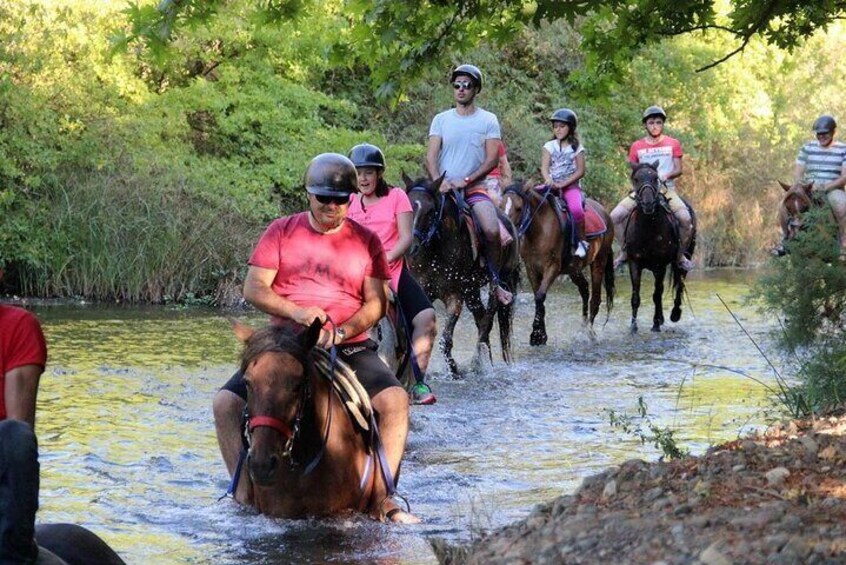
(652, 241)
(306, 456)
(547, 253)
(797, 200)
(442, 260)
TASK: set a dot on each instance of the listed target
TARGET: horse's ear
(436, 184)
(312, 334)
(654, 165)
(407, 180)
(808, 187)
(527, 186)
(786, 187)
(242, 332)
(632, 166)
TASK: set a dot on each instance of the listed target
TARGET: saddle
(473, 228)
(345, 382)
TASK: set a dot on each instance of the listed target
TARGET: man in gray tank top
(463, 146)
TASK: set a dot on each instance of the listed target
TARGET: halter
(528, 215)
(433, 231)
(654, 189)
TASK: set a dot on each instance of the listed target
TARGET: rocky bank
(778, 497)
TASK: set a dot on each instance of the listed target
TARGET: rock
(682, 509)
(738, 468)
(809, 444)
(775, 477)
(713, 556)
(653, 494)
(610, 489)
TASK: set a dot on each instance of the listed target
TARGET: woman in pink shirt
(386, 211)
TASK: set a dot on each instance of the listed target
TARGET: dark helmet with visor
(824, 124)
(331, 174)
(470, 70)
(367, 155)
(565, 115)
(654, 111)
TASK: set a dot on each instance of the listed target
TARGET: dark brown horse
(547, 253)
(797, 200)
(442, 260)
(652, 241)
(306, 456)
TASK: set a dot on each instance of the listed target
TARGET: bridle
(528, 214)
(794, 214)
(647, 206)
(424, 238)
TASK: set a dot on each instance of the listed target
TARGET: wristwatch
(340, 334)
(467, 180)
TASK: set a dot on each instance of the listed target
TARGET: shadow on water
(128, 445)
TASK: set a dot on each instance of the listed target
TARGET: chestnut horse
(547, 253)
(797, 200)
(441, 258)
(652, 241)
(306, 455)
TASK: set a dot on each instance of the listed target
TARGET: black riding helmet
(331, 174)
(367, 155)
(470, 70)
(567, 116)
(654, 111)
(824, 124)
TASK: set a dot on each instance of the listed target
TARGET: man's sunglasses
(465, 84)
(337, 200)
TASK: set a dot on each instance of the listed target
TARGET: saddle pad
(594, 223)
(353, 395)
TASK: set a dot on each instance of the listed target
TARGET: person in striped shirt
(824, 162)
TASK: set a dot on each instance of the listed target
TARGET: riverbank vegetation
(136, 171)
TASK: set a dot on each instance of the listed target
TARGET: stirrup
(581, 249)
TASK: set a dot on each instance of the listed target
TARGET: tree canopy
(397, 40)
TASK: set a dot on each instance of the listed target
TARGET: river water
(128, 447)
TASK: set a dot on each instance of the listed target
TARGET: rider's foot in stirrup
(686, 264)
(421, 393)
(620, 260)
(503, 295)
(581, 249)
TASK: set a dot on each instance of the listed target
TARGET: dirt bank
(777, 498)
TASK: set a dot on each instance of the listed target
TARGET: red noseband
(271, 422)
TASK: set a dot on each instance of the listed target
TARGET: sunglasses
(336, 200)
(465, 84)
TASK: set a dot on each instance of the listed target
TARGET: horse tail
(692, 246)
(505, 313)
(610, 287)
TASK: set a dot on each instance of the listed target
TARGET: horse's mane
(278, 339)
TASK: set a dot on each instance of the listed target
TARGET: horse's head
(645, 183)
(426, 205)
(277, 376)
(515, 201)
(797, 200)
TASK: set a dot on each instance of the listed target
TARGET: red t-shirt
(381, 219)
(664, 152)
(319, 269)
(21, 343)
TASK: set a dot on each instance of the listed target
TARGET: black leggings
(411, 296)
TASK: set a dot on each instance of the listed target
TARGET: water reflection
(128, 446)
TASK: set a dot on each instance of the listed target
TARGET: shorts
(371, 371)
(411, 296)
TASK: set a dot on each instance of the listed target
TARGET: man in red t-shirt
(667, 151)
(315, 264)
(23, 354)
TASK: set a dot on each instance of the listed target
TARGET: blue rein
(528, 215)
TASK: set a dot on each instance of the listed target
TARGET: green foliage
(642, 427)
(807, 290)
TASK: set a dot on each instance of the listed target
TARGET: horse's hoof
(537, 339)
(675, 315)
(633, 329)
(656, 329)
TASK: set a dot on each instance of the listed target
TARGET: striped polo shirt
(822, 164)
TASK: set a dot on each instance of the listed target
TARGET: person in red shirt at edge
(667, 151)
(386, 211)
(295, 276)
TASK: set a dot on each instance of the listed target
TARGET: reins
(527, 216)
(433, 231)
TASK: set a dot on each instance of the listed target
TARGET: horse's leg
(678, 287)
(657, 297)
(482, 314)
(578, 278)
(635, 273)
(453, 310)
(505, 314)
(547, 277)
(597, 275)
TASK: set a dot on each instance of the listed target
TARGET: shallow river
(128, 447)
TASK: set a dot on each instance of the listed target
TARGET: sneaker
(581, 249)
(421, 393)
(686, 264)
(620, 260)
